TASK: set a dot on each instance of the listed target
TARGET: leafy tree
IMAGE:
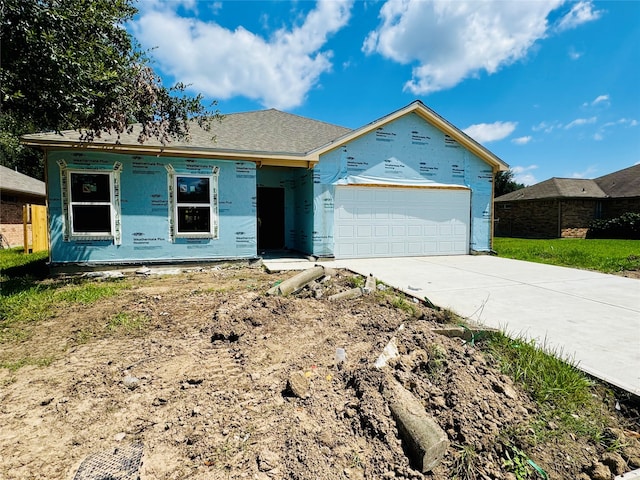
(504, 183)
(70, 64)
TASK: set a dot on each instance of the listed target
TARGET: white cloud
(605, 127)
(574, 54)
(580, 121)
(220, 63)
(454, 40)
(581, 12)
(489, 132)
(600, 99)
(546, 127)
(522, 140)
(524, 175)
(603, 100)
(586, 173)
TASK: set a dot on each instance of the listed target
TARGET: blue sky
(551, 87)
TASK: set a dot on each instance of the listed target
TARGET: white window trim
(213, 205)
(111, 203)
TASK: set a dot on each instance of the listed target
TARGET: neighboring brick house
(16, 190)
(564, 207)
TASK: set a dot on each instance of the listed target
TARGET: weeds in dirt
(405, 305)
(27, 298)
(22, 362)
(356, 281)
(559, 388)
(83, 336)
(29, 301)
(126, 323)
(356, 461)
(517, 463)
(465, 463)
(449, 316)
(610, 442)
(542, 371)
(437, 358)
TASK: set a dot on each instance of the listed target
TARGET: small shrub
(127, 323)
(466, 463)
(626, 226)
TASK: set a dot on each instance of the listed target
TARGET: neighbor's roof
(623, 183)
(15, 182)
(263, 135)
(556, 188)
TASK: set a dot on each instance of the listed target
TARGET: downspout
(559, 218)
(494, 171)
(46, 199)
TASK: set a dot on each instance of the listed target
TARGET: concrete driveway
(590, 317)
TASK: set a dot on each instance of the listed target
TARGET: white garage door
(400, 222)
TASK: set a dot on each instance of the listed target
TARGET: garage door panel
(345, 231)
(381, 231)
(390, 221)
(445, 230)
(364, 231)
(381, 249)
(414, 231)
(398, 231)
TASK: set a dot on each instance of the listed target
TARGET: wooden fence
(36, 216)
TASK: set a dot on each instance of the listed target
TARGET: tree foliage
(504, 183)
(70, 64)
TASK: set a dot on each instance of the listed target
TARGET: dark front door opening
(270, 218)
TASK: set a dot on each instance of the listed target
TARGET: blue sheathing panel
(304, 210)
(406, 152)
(145, 234)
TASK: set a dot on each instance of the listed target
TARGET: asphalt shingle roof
(262, 131)
(556, 188)
(623, 183)
(12, 181)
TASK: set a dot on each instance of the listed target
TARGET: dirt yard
(201, 390)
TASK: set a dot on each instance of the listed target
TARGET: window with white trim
(91, 203)
(196, 206)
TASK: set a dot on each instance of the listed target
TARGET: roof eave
(282, 159)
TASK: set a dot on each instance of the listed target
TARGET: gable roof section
(623, 183)
(16, 182)
(269, 137)
(431, 117)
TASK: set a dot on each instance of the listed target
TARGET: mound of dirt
(226, 382)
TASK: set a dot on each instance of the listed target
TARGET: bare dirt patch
(202, 386)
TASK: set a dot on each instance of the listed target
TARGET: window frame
(212, 205)
(104, 234)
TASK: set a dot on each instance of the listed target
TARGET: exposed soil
(203, 388)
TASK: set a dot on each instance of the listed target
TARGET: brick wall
(576, 215)
(527, 219)
(614, 207)
(539, 218)
(11, 217)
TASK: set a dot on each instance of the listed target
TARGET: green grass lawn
(27, 296)
(608, 256)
